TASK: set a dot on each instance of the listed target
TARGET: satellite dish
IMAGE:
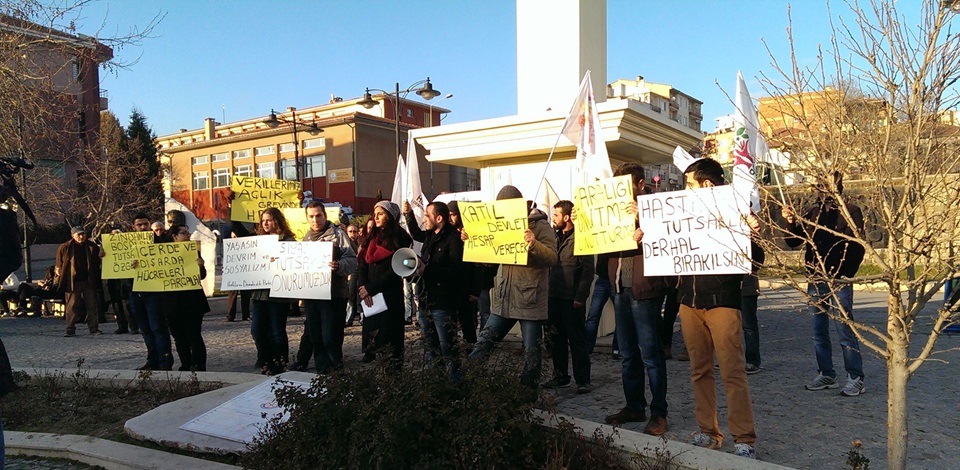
(405, 262)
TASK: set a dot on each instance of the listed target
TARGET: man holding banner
(637, 303)
(147, 308)
(325, 318)
(521, 291)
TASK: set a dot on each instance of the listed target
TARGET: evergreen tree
(141, 140)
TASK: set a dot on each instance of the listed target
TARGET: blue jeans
(497, 328)
(637, 322)
(438, 328)
(268, 326)
(751, 329)
(325, 322)
(411, 302)
(602, 291)
(147, 308)
(825, 298)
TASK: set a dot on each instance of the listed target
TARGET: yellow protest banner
(252, 195)
(333, 213)
(167, 267)
(297, 220)
(495, 231)
(603, 224)
(119, 252)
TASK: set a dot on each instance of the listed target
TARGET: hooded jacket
(520, 292)
(342, 252)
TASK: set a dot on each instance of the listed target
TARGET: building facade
(347, 154)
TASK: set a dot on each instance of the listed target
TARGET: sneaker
(68, 334)
(121, 331)
(657, 426)
(616, 355)
(745, 450)
(556, 382)
(752, 369)
(700, 439)
(626, 415)
(853, 387)
(296, 366)
(585, 388)
(822, 382)
(96, 333)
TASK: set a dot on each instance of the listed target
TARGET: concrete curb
(774, 283)
(102, 452)
(682, 456)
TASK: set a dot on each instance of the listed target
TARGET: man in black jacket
(440, 269)
(569, 287)
(831, 253)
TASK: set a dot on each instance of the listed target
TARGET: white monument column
(557, 42)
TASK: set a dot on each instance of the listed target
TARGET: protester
(637, 306)
(569, 287)
(269, 315)
(602, 293)
(186, 316)
(441, 274)
(78, 277)
(175, 217)
(238, 230)
(157, 229)
(750, 291)
(33, 295)
(325, 318)
(375, 276)
(148, 309)
(711, 325)
(831, 253)
(469, 288)
(353, 233)
(522, 292)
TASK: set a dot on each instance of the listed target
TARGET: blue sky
(238, 59)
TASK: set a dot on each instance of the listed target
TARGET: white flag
(396, 196)
(682, 159)
(413, 192)
(547, 197)
(746, 146)
(582, 127)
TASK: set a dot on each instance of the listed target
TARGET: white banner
(246, 262)
(301, 270)
(697, 231)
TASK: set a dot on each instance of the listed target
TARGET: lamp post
(447, 96)
(273, 121)
(423, 88)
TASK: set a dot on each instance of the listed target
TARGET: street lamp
(273, 121)
(423, 88)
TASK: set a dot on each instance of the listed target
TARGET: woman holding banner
(268, 324)
(375, 275)
(186, 316)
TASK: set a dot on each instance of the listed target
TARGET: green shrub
(370, 419)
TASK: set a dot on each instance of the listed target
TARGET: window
(316, 167)
(241, 154)
(242, 170)
(221, 177)
(288, 147)
(314, 143)
(266, 170)
(266, 150)
(200, 160)
(220, 157)
(409, 112)
(201, 180)
(288, 169)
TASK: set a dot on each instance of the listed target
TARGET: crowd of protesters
(465, 309)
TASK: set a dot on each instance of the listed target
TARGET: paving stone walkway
(795, 427)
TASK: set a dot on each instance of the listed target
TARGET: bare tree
(879, 106)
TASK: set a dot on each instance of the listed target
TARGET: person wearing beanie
(520, 293)
(384, 331)
(78, 277)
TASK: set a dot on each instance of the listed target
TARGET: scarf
(375, 253)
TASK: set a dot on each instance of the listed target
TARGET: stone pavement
(795, 427)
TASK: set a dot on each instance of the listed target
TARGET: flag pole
(549, 157)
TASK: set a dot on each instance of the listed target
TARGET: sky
(238, 59)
